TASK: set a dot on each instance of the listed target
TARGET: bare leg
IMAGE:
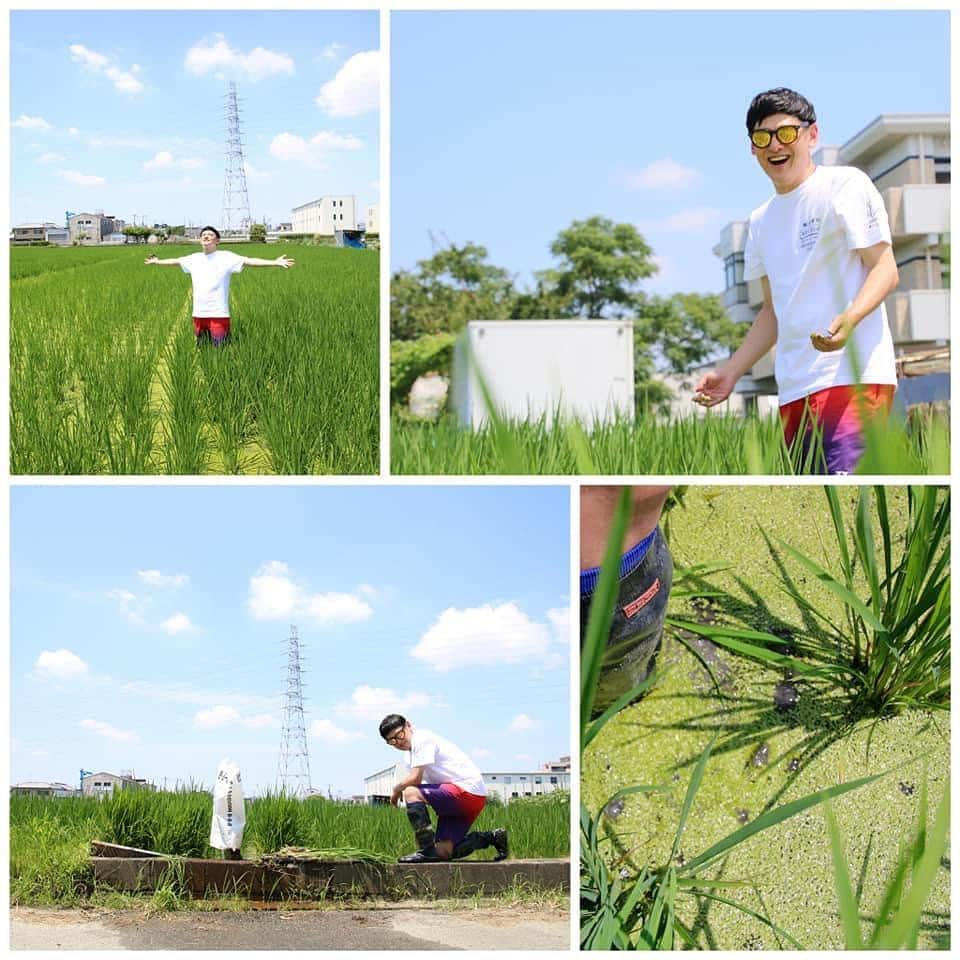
(597, 507)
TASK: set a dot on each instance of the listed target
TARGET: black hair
(391, 723)
(214, 229)
(779, 100)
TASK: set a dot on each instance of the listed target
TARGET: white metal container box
(582, 369)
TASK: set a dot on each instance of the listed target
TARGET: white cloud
(313, 152)
(275, 596)
(523, 757)
(127, 601)
(520, 723)
(482, 635)
(207, 57)
(59, 663)
(328, 732)
(481, 753)
(331, 51)
(72, 131)
(50, 158)
(31, 123)
(157, 579)
(178, 623)
(196, 696)
(123, 80)
(192, 163)
(160, 161)
(686, 221)
(253, 173)
(559, 618)
(82, 179)
(664, 174)
(356, 87)
(374, 703)
(223, 716)
(102, 729)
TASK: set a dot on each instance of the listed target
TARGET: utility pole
(293, 771)
(236, 204)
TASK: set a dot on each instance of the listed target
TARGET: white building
(506, 785)
(326, 215)
(92, 228)
(104, 784)
(908, 158)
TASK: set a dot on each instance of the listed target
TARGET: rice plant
(891, 649)
(897, 923)
(718, 444)
(105, 378)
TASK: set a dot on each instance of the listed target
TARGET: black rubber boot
(480, 840)
(637, 624)
(419, 817)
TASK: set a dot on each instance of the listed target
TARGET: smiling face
(400, 738)
(208, 241)
(786, 164)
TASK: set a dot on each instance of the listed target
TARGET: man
(444, 777)
(822, 251)
(210, 272)
(646, 574)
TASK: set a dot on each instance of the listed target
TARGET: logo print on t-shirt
(809, 232)
(872, 221)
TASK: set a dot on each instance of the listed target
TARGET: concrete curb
(145, 874)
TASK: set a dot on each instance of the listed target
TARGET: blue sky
(507, 127)
(123, 111)
(149, 626)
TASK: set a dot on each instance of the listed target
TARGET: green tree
(601, 266)
(677, 334)
(258, 233)
(448, 290)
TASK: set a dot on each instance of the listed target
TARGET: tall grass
(105, 378)
(715, 444)
(50, 838)
(891, 649)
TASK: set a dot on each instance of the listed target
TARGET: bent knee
(412, 795)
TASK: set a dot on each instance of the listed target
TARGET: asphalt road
(406, 927)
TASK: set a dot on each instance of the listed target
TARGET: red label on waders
(637, 605)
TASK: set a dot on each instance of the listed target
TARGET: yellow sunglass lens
(787, 134)
(761, 138)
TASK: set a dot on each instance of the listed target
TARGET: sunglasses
(395, 737)
(786, 134)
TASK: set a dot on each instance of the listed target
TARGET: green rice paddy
(50, 837)
(105, 377)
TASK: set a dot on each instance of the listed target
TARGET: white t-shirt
(444, 762)
(805, 242)
(210, 273)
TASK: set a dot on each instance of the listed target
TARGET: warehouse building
(508, 786)
(326, 216)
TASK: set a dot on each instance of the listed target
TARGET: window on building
(538, 779)
(508, 780)
(553, 780)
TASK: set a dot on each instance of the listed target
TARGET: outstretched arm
(155, 261)
(882, 279)
(716, 386)
(281, 261)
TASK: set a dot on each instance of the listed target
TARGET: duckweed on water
(814, 744)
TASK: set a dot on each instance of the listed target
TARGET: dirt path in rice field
(407, 926)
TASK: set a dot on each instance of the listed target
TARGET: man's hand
(395, 795)
(714, 388)
(836, 337)
(285, 262)
(151, 259)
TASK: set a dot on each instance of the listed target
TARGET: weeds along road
(410, 926)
